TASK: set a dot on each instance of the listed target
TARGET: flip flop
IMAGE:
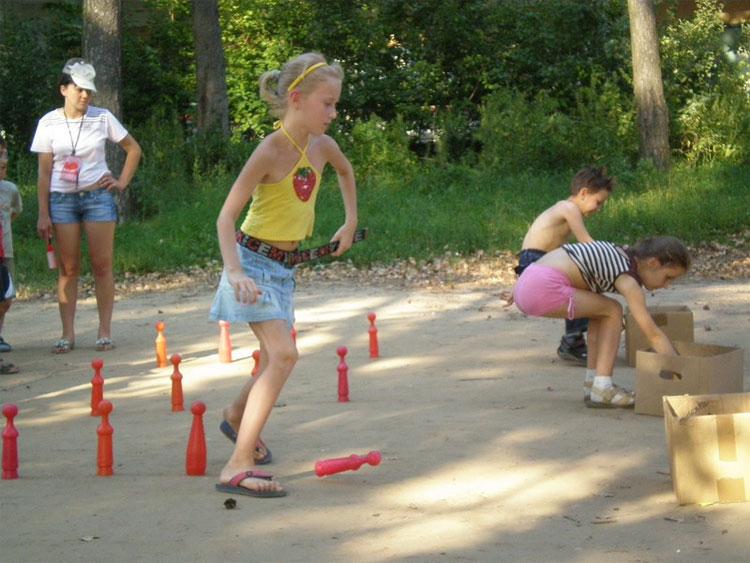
(229, 432)
(62, 346)
(6, 368)
(104, 344)
(234, 485)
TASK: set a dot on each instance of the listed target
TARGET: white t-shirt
(10, 204)
(58, 135)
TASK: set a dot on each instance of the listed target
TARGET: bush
(715, 127)
(164, 174)
(378, 149)
(518, 134)
(706, 90)
(605, 124)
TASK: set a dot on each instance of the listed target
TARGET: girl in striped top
(569, 283)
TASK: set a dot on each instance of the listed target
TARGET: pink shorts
(541, 290)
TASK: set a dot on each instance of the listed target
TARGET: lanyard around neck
(80, 126)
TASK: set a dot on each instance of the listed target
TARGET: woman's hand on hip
(245, 290)
(110, 183)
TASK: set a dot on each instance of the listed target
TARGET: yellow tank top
(285, 211)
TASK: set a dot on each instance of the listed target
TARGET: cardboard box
(675, 320)
(700, 369)
(708, 439)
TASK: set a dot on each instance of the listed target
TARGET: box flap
(686, 406)
(701, 350)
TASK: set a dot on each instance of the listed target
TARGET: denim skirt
(274, 279)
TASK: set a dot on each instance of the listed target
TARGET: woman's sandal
(62, 346)
(104, 344)
(612, 398)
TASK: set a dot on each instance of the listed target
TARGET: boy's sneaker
(573, 350)
(4, 346)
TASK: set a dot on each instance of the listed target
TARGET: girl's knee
(614, 310)
(285, 357)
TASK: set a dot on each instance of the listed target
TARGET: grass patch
(422, 214)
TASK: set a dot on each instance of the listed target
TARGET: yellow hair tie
(301, 77)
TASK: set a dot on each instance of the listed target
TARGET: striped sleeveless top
(601, 263)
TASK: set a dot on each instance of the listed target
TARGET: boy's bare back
(590, 190)
(552, 228)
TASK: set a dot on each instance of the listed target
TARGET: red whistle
(352, 463)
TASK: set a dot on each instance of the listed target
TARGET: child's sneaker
(4, 346)
(573, 350)
(611, 398)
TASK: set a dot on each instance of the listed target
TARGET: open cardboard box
(675, 320)
(708, 440)
(698, 370)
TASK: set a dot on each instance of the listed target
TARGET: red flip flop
(234, 485)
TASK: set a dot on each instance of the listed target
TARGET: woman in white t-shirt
(75, 189)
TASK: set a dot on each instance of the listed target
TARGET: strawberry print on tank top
(304, 182)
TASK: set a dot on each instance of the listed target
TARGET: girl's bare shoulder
(323, 143)
(273, 144)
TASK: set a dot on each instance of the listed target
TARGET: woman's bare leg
(68, 240)
(101, 240)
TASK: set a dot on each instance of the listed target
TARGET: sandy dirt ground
(489, 453)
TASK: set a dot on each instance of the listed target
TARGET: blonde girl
(282, 176)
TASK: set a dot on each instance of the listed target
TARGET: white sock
(590, 374)
(602, 382)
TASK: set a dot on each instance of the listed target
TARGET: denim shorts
(95, 206)
(275, 280)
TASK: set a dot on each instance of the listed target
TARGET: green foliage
(706, 92)
(403, 58)
(165, 171)
(695, 204)
(379, 150)
(32, 54)
(520, 134)
(445, 207)
(715, 127)
(177, 165)
(605, 127)
(692, 55)
(158, 66)
(463, 120)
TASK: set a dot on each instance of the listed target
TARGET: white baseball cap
(81, 72)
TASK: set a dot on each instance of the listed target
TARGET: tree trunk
(653, 118)
(102, 33)
(213, 102)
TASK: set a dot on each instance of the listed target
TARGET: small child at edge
(10, 207)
